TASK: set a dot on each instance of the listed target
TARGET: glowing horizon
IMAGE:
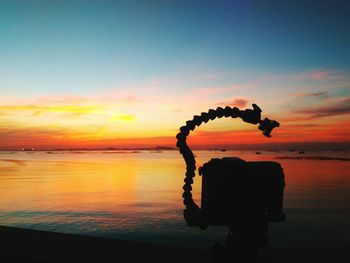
(97, 122)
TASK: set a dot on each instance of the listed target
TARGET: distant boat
(301, 152)
(223, 150)
(258, 153)
(28, 150)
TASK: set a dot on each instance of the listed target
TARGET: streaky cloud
(311, 94)
(340, 108)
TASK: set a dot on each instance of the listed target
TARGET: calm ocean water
(137, 196)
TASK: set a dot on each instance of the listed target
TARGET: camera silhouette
(234, 190)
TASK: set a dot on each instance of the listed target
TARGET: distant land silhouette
(317, 158)
(293, 146)
(156, 148)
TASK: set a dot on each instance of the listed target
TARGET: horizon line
(258, 146)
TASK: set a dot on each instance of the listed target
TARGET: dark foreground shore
(24, 245)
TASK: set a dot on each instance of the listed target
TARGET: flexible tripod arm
(192, 212)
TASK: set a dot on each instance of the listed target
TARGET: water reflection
(138, 196)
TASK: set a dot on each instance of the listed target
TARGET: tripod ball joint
(252, 116)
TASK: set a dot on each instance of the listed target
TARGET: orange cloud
(240, 103)
(42, 109)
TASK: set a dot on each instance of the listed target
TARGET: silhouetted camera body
(234, 191)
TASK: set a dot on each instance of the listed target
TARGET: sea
(137, 195)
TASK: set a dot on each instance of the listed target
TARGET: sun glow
(132, 120)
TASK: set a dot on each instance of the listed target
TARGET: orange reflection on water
(122, 183)
(126, 190)
(80, 184)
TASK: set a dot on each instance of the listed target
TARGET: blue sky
(90, 71)
(86, 46)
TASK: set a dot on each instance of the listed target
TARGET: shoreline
(26, 245)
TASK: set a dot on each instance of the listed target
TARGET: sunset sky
(95, 74)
